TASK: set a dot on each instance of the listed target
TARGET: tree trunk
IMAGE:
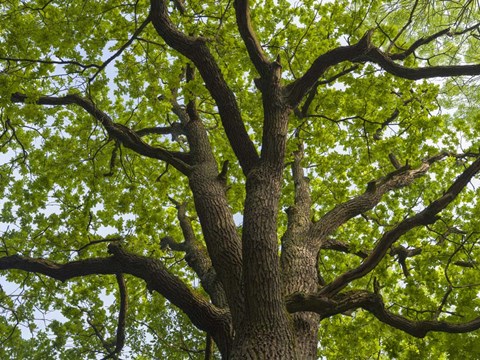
(300, 274)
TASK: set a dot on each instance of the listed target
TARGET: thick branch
(301, 86)
(313, 91)
(202, 314)
(375, 55)
(197, 258)
(299, 213)
(125, 135)
(249, 37)
(326, 307)
(425, 217)
(196, 50)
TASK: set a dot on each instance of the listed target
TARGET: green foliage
(59, 191)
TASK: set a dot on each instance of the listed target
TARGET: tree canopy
(233, 179)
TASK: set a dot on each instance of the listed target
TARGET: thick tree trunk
(267, 332)
(259, 342)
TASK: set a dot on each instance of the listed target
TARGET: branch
(122, 314)
(106, 345)
(425, 217)
(339, 215)
(174, 129)
(340, 303)
(120, 338)
(422, 41)
(122, 48)
(401, 252)
(297, 89)
(196, 257)
(313, 91)
(376, 56)
(255, 51)
(299, 213)
(340, 246)
(404, 27)
(202, 314)
(125, 135)
(53, 62)
(195, 49)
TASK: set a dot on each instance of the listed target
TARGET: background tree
(268, 177)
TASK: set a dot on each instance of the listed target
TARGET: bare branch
(125, 135)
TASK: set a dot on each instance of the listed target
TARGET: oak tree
(235, 179)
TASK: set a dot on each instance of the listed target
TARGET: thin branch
(122, 48)
(53, 62)
(442, 303)
(473, 27)
(409, 21)
(99, 335)
(175, 129)
(340, 246)
(401, 252)
(99, 241)
(422, 41)
(313, 91)
(196, 257)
